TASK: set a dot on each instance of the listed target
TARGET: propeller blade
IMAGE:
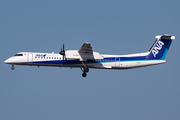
(63, 47)
(62, 52)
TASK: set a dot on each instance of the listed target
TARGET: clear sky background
(112, 27)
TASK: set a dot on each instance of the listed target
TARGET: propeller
(62, 52)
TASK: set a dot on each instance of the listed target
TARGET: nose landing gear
(12, 67)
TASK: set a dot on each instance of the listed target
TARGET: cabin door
(30, 58)
(117, 62)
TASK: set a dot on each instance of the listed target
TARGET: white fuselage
(86, 58)
(108, 61)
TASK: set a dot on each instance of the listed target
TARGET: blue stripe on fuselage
(105, 60)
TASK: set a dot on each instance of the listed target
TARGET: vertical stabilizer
(160, 47)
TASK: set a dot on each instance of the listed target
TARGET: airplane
(86, 58)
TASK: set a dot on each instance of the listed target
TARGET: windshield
(18, 55)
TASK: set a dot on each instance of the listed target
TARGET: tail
(160, 48)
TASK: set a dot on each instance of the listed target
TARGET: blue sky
(112, 27)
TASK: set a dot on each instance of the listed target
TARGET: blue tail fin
(160, 47)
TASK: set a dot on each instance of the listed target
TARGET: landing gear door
(30, 58)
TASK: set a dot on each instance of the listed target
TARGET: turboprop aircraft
(86, 58)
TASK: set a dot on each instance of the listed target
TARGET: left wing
(86, 48)
(84, 53)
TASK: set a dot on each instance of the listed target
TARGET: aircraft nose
(8, 61)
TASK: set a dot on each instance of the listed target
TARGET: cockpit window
(18, 55)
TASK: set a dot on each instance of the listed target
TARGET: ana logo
(157, 48)
(40, 55)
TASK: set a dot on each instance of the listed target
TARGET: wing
(86, 48)
(84, 53)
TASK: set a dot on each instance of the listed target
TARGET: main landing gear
(85, 69)
(12, 67)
